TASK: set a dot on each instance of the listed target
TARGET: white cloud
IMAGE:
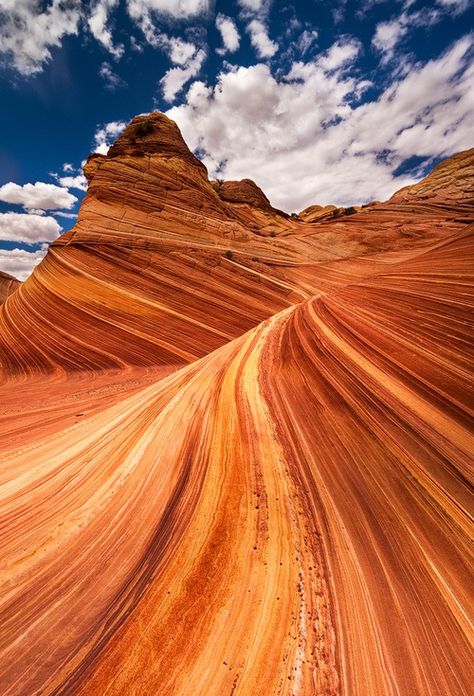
(264, 46)
(145, 14)
(229, 33)
(38, 195)
(175, 78)
(177, 9)
(78, 182)
(342, 52)
(106, 134)
(111, 79)
(253, 5)
(19, 262)
(456, 6)
(67, 167)
(98, 21)
(305, 138)
(306, 40)
(28, 30)
(388, 34)
(29, 229)
(180, 52)
(69, 216)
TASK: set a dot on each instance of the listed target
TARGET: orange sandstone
(238, 463)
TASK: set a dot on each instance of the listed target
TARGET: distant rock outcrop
(8, 284)
(451, 182)
(318, 213)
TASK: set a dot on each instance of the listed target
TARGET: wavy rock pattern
(288, 514)
(164, 266)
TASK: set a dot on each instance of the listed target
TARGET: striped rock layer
(244, 473)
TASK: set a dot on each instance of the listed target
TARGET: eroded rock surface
(238, 463)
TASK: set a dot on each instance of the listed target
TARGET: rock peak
(243, 191)
(153, 134)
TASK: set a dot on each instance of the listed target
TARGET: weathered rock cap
(451, 180)
(244, 191)
(147, 134)
(92, 164)
(153, 134)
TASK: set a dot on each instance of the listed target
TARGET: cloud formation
(99, 26)
(146, 14)
(20, 262)
(38, 195)
(264, 46)
(305, 137)
(106, 134)
(111, 79)
(229, 33)
(28, 31)
(78, 182)
(389, 34)
(29, 229)
(175, 78)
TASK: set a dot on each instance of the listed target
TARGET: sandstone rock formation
(8, 284)
(450, 182)
(237, 463)
(318, 213)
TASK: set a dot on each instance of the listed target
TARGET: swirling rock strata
(288, 515)
(164, 266)
(151, 273)
(244, 473)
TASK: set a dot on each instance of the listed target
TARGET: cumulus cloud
(78, 182)
(38, 195)
(306, 138)
(29, 229)
(20, 262)
(98, 24)
(106, 134)
(180, 52)
(229, 33)
(175, 78)
(30, 28)
(264, 46)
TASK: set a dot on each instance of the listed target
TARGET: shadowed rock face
(243, 473)
(8, 284)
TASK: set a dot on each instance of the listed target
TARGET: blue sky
(318, 102)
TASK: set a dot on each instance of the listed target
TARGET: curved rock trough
(237, 446)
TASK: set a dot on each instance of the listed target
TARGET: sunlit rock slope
(237, 446)
(164, 266)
